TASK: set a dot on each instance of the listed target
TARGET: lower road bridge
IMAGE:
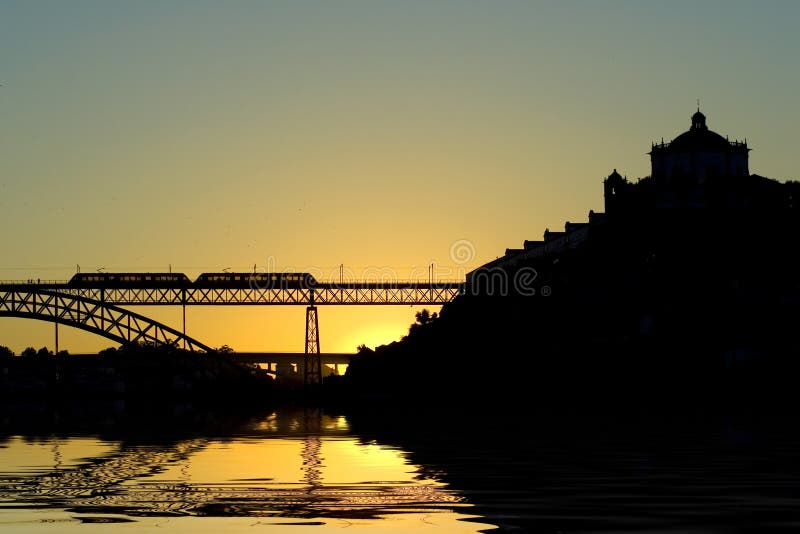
(279, 363)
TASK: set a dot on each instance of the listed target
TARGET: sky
(202, 135)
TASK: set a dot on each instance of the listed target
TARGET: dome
(700, 141)
(699, 138)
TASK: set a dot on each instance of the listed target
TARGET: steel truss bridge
(339, 294)
(98, 310)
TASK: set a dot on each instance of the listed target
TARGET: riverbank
(131, 374)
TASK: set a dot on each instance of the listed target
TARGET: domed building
(697, 155)
(698, 169)
(699, 176)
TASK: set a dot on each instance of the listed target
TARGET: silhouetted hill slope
(671, 305)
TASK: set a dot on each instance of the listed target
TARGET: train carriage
(130, 280)
(227, 280)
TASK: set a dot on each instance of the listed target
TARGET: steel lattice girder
(312, 362)
(324, 295)
(101, 318)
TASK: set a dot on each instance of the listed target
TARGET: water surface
(287, 471)
(294, 470)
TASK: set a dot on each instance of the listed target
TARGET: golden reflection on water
(296, 471)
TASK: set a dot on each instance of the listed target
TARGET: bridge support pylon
(312, 364)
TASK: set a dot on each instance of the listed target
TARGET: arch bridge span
(101, 318)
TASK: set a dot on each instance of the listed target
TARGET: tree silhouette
(423, 318)
(363, 349)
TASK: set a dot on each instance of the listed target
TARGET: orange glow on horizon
(243, 328)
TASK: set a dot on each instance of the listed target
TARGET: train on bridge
(223, 280)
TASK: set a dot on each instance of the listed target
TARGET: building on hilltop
(698, 154)
(698, 169)
(683, 291)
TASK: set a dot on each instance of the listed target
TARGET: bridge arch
(112, 322)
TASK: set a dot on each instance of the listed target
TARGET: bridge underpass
(278, 362)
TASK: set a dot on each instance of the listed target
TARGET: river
(291, 469)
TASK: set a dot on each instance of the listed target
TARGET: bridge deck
(288, 357)
(349, 293)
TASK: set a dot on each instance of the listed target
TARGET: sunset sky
(203, 135)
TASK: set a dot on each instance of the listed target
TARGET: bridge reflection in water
(303, 467)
